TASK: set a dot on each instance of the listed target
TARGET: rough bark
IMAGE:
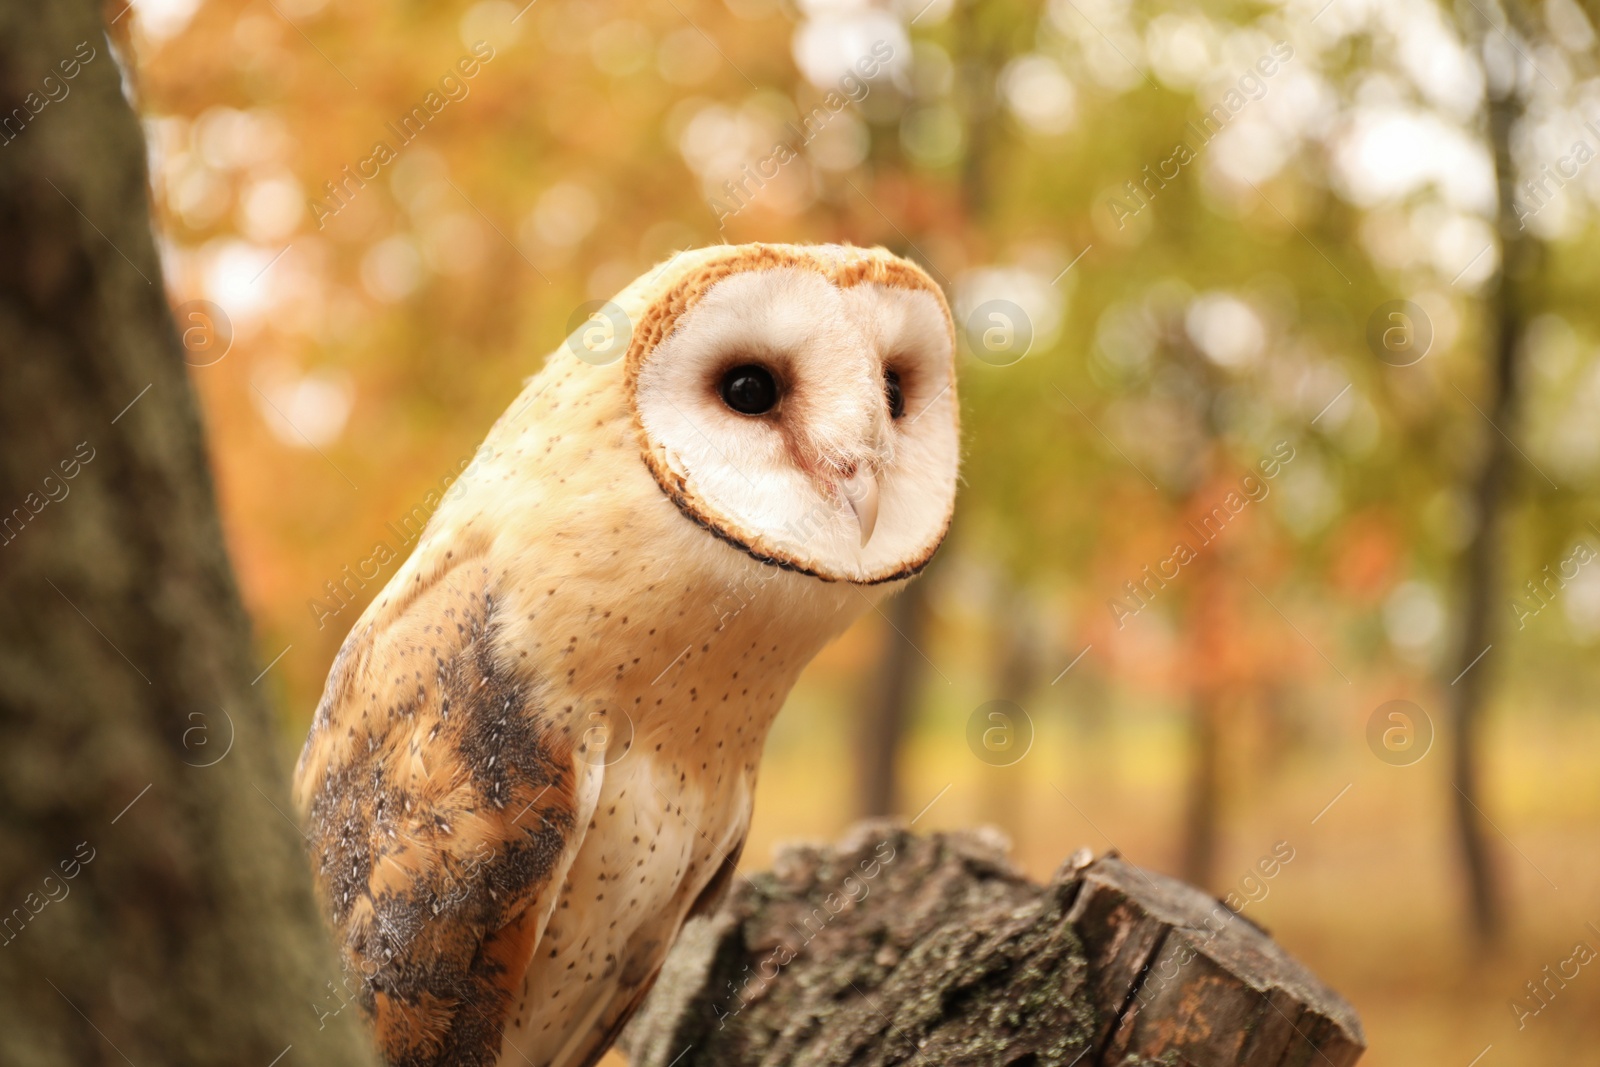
(154, 907)
(890, 948)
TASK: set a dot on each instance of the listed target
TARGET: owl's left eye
(895, 395)
(750, 390)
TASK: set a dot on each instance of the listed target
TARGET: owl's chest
(670, 699)
(673, 810)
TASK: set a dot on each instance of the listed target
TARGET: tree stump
(889, 948)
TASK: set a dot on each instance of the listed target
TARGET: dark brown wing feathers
(441, 802)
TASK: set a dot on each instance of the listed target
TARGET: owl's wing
(445, 807)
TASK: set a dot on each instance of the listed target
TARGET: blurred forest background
(1180, 321)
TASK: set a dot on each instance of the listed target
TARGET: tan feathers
(538, 747)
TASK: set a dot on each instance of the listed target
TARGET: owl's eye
(895, 395)
(750, 390)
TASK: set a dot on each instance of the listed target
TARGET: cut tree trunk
(154, 907)
(889, 948)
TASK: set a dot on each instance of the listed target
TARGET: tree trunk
(1014, 628)
(890, 948)
(891, 699)
(1203, 803)
(156, 908)
(1480, 565)
(1206, 629)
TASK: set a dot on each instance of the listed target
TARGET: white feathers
(775, 482)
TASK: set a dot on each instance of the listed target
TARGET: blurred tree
(1206, 633)
(959, 81)
(1508, 307)
(1016, 629)
(157, 906)
(889, 700)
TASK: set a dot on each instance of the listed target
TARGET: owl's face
(799, 402)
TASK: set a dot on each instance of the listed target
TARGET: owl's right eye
(750, 390)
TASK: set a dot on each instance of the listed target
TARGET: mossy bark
(154, 907)
(890, 948)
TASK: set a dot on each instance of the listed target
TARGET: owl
(536, 752)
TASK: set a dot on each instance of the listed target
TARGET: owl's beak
(861, 493)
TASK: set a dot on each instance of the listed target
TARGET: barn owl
(536, 752)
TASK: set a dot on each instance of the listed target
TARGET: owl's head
(799, 403)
